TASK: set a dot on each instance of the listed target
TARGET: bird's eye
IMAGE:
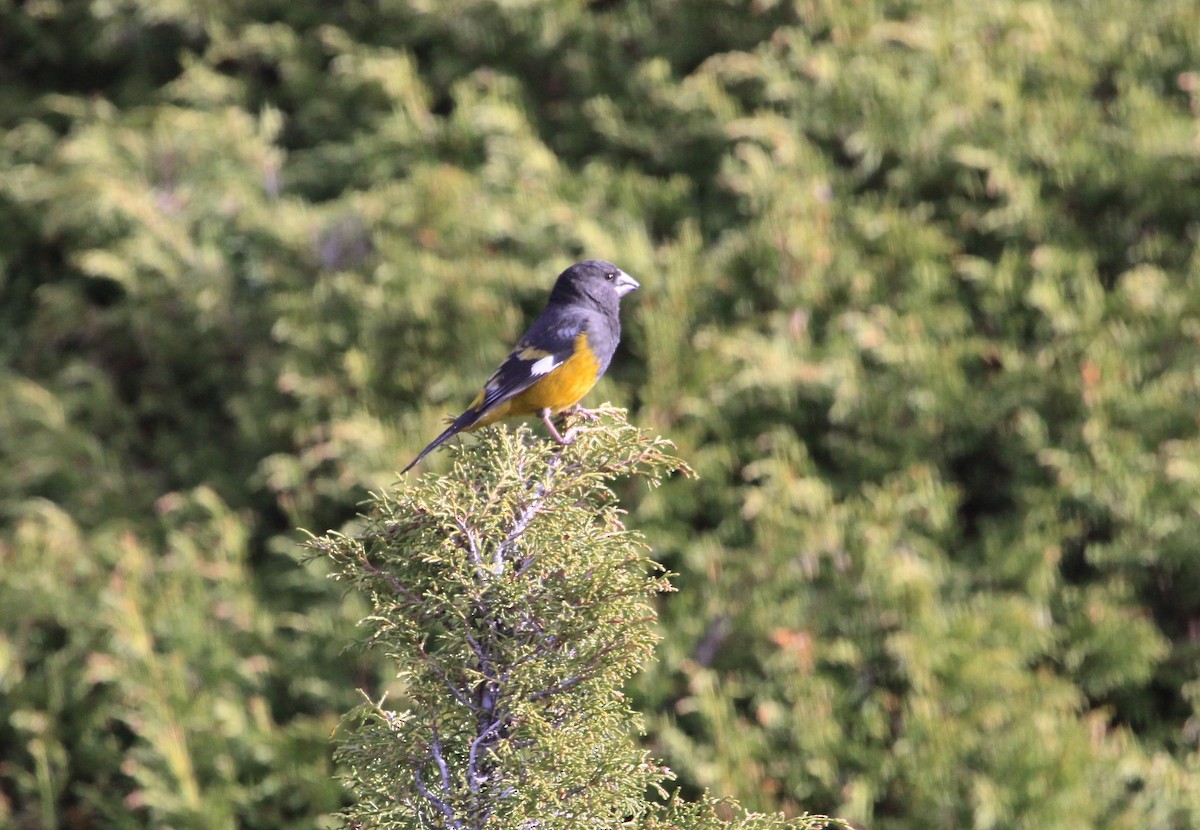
(610, 276)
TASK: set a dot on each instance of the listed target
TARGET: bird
(557, 361)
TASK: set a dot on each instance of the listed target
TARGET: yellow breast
(561, 388)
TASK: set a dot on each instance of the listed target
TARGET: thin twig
(585, 674)
(472, 545)
(435, 749)
(474, 777)
(391, 579)
(521, 522)
(441, 806)
(437, 669)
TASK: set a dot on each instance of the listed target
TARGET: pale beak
(625, 284)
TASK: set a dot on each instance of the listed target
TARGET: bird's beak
(625, 284)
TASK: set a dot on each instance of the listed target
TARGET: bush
(920, 307)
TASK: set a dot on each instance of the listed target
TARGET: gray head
(594, 282)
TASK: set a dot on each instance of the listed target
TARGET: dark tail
(458, 425)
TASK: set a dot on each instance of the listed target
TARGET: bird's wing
(548, 344)
(542, 349)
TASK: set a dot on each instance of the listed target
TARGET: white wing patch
(543, 366)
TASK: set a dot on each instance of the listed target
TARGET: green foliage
(514, 603)
(920, 305)
(711, 814)
(151, 668)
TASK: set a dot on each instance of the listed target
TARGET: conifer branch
(516, 602)
(442, 806)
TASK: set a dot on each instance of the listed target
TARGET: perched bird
(559, 359)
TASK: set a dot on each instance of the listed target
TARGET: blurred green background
(921, 303)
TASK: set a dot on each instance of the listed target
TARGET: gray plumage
(586, 298)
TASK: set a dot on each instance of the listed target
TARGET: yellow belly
(562, 388)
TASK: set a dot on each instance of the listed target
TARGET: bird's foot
(586, 414)
(570, 436)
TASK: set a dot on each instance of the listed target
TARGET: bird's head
(594, 280)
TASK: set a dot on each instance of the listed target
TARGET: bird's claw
(585, 414)
(564, 440)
